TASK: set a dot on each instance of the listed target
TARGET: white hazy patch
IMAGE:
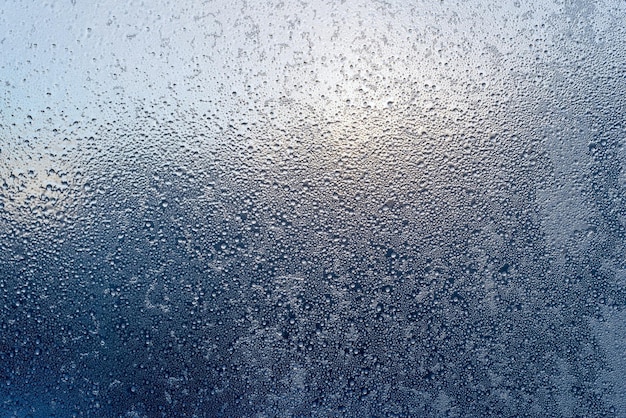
(157, 296)
(566, 214)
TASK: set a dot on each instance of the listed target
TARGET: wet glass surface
(363, 208)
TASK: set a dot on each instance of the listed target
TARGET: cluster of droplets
(361, 233)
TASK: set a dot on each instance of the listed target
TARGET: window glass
(312, 208)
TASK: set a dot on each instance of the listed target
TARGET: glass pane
(364, 208)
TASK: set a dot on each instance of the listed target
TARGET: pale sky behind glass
(76, 56)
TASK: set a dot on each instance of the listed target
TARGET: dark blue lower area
(422, 278)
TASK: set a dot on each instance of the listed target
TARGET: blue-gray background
(366, 208)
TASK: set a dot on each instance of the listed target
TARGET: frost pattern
(312, 209)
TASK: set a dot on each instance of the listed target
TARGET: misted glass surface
(321, 208)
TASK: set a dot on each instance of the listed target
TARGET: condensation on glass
(288, 208)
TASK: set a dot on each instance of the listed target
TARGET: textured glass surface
(313, 208)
